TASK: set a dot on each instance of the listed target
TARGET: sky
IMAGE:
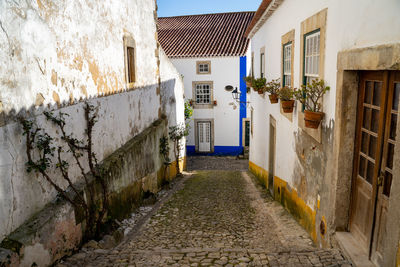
(169, 8)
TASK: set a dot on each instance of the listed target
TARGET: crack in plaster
(8, 38)
(40, 68)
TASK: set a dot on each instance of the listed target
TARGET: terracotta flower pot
(312, 119)
(260, 91)
(273, 98)
(287, 106)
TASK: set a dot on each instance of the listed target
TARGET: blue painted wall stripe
(218, 151)
(243, 97)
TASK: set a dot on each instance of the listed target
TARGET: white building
(341, 181)
(55, 56)
(210, 53)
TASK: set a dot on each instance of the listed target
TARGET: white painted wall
(224, 71)
(65, 52)
(350, 24)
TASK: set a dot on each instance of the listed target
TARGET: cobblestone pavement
(220, 218)
(217, 163)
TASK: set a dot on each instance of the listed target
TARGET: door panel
(204, 136)
(378, 105)
(386, 168)
(367, 150)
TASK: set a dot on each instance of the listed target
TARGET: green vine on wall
(41, 149)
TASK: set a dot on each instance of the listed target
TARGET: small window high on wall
(287, 64)
(131, 64)
(130, 61)
(203, 67)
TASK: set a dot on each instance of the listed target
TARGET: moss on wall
(289, 198)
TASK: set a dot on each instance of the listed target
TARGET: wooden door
(373, 157)
(204, 136)
(386, 169)
(271, 156)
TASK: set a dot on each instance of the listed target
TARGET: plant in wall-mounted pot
(259, 85)
(310, 96)
(249, 81)
(272, 88)
(286, 95)
(215, 102)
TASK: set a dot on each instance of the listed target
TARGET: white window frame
(287, 64)
(206, 97)
(203, 67)
(312, 47)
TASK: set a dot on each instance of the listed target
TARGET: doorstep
(352, 250)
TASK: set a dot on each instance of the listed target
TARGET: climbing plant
(177, 134)
(41, 150)
(164, 151)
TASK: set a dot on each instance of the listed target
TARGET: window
(203, 67)
(203, 93)
(130, 61)
(311, 56)
(262, 67)
(131, 64)
(287, 64)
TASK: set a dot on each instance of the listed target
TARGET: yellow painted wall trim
(260, 173)
(289, 198)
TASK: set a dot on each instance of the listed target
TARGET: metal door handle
(380, 179)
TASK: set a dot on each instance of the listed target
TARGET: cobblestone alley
(216, 218)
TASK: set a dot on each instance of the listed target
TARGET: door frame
(340, 168)
(244, 120)
(196, 135)
(271, 150)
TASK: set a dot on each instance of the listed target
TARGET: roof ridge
(219, 34)
(205, 14)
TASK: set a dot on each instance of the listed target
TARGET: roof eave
(266, 9)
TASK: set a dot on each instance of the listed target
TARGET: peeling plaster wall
(54, 55)
(301, 161)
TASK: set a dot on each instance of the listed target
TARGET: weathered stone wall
(57, 230)
(56, 54)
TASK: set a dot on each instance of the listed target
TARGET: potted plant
(285, 94)
(272, 88)
(249, 81)
(215, 102)
(259, 85)
(310, 96)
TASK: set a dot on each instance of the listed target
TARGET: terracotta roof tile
(207, 35)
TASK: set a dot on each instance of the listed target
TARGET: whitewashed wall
(224, 71)
(350, 24)
(54, 54)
